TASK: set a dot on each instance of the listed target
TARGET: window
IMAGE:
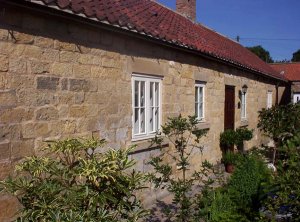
(146, 97)
(199, 100)
(296, 98)
(269, 99)
(244, 105)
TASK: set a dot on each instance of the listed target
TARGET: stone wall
(60, 78)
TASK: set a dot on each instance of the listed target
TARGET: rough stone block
(34, 130)
(111, 63)
(66, 56)
(49, 83)
(62, 69)
(23, 38)
(38, 67)
(87, 59)
(79, 85)
(3, 34)
(68, 126)
(78, 111)
(8, 98)
(5, 170)
(45, 98)
(10, 132)
(50, 55)
(81, 71)
(21, 149)
(43, 42)
(64, 46)
(63, 111)
(17, 65)
(46, 113)
(33, 52)
(121, 134)
(3, 80)
(9, 206)
(64, 84)
(15, 115)
(4, 150)
(79, 98)
(3, 63)
(66, 97)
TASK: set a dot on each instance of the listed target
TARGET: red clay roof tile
(290, 70)
(146, 16)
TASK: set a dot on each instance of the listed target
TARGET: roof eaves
(172, 42)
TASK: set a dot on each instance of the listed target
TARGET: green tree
(76, 182)
(185, 136)
(262, 53)
(296, 56)
(280, 123)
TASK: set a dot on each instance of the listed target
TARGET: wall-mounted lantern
(244, 89)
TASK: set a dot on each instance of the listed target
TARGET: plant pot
(229, 168)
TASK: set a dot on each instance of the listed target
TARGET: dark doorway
(229, 108)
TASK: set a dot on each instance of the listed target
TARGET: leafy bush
(229, 158)
(240, 198)
(246, 186)
(285, 187)
(243, 134)
(217, 206)
(228, 138)
(280, 123)
(76, 183)
(185, 136)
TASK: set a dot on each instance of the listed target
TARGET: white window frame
(244, 106)
(269, 99)
(147, 79)
(200, 85)
(296, 97)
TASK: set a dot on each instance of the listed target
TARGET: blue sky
(263, 20)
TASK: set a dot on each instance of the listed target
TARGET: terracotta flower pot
(229, 168)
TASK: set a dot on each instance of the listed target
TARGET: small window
(146, 97)
(199, 101)
(296, 98)
(269, 100)
(244, 105)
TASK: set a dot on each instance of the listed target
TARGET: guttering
(81, 18)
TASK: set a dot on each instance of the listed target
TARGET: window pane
(151, 94)
(142, 120)
(136, 93)
(156, 94)
(142, 94)
(196, 109)
(196, 94)
(151, 121)
(136, 120)
(200, 110)
(156, 119)
(243, 106)
(201, 94)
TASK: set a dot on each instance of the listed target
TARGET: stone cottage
(290, 71)
(118, 70)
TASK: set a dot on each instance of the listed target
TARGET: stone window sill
(146, 145)
(203, 125)
(244, 123)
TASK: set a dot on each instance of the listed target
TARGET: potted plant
(243, 134)
(228, 140)
(229, 159)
